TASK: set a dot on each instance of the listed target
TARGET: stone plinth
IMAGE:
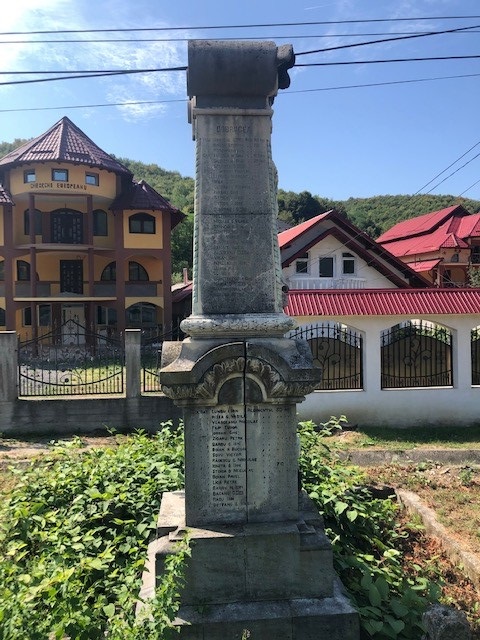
(274, 579)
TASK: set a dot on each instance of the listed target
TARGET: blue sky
(334, 142)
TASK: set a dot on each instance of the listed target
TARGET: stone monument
(260, 559)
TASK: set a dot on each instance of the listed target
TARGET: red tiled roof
(379, 302)
(5, 197)
(424, 265)
(287, 236)
(64, 142)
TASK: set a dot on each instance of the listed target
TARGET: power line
(395, 39)
(240, 26)
(447, 168)
(453, 173)
(271, 37)
(381, 84)
(331, 64)
(119, 72)
(90, 74)
(283, 94)
(92, 106)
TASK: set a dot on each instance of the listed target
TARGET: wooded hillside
(373, 215)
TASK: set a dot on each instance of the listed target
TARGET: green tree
(6, 147)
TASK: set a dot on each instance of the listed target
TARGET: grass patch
(410, 438)
(452, 492)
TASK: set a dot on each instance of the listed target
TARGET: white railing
(308, 282)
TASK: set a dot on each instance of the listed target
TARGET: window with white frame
(301, 264)
(348, 264)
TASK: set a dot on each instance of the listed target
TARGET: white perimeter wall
(433, 406)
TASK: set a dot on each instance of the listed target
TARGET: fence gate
(417, 353)
(85, 364)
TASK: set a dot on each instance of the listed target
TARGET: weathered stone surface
(249, 562)
(446, 623)
(260, 559)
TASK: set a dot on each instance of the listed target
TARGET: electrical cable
(381, 41)
(447, 168)
(333, 64)
(137, 41)
(241, 26)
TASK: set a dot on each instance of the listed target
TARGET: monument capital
(237, 73)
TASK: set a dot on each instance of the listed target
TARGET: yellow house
(80, 239)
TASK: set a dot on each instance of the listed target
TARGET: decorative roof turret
(64, 142)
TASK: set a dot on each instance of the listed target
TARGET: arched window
(137, 273)
(100, 223)
(23, 271)
(37, 220)
(109, 274)
(140, 315)
(141, 223)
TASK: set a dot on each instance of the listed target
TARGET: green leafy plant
(74, 535)
(365, 538)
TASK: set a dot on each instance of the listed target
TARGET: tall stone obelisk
(260, 559)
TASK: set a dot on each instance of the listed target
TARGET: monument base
(274, 580)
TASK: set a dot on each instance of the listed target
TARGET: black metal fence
(71, 361)
(151, 355)
(416, 353)
(476, 355)
(338, 351)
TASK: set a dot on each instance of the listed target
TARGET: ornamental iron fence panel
(71, 361)
(338, 351)
(416, 353)
(476, 355)
(151, 355)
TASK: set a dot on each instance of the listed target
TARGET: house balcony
(311, 283)
(101, 290)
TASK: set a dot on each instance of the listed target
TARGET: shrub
(365, 542)
(74, 535)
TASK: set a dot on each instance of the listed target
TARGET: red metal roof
(380, 302)
(64, 142)
(287, 236)
(447, 228)
(419, 225)
(424, 265)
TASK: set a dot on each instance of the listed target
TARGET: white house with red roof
(329, 252)
(394, 349)
(442, 245)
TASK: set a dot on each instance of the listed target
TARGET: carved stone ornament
(268, 377)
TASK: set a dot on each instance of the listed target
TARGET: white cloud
(56, 15)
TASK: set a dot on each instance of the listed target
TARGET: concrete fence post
(8, 366)
(132, 362)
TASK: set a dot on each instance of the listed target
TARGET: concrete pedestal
(275, 580)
